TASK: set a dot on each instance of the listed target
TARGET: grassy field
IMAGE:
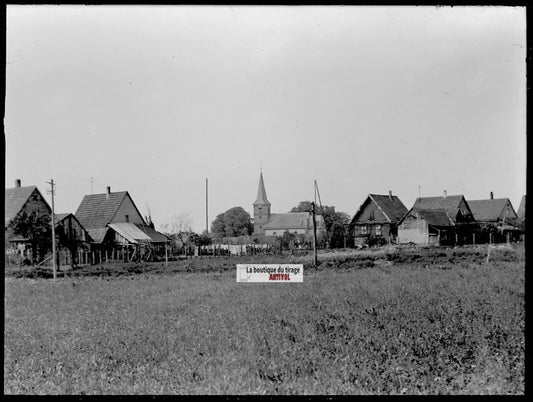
(376, 322)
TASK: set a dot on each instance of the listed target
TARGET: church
(269, 224)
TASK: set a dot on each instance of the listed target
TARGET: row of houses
(441, 220)
(102, 224)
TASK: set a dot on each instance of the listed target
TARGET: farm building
(25, 203)
(521, 213)
(71, 235)
(459, 212)
(377, 219)
(269, 224)
(115, 225)
(426, 227)
(497, 218)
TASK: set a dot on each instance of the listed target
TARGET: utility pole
(315, 258)
(206, 210)
(52, 191)
(92, 185)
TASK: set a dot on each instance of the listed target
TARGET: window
(378, 230)
(364, 230)
(127, 218)
(371, 216)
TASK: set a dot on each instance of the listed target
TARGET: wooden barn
(426, 227)
(71, 236)
(457, 209)
(24, 203)
(377, 219)
(497, 218)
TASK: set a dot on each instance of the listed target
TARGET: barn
(426, 227)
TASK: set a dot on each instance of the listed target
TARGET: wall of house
(464, 210)
(127, 208)
(413, 230)
(371, 213)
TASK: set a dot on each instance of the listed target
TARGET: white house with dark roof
(269, 224)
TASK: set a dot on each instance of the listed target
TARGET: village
(108, 227)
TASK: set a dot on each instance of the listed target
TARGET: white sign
(270, 273)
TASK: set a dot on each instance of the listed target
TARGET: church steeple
(261, 207)
(261, 192)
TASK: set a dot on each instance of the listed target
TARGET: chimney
(108, 191)
(491, 196)
(390, 195)
(17, 183)
(445, 194)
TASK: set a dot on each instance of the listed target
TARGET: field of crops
(378, 322)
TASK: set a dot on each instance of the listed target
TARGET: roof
(97, 210)
(390, 206)
(522, 208)
(292, 220)
(15, 199)
(434, 217)
(97, 235)
(491, 209)
(130, 232)
(60, 217)
(450, 204)
(261, 192)
(155, 236)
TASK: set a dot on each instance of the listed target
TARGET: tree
(335, 221)
(37, 230)
(234, 222)
(179, 229)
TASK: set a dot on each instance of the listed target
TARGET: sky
(155, 99)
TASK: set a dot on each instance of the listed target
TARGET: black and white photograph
(264, 200)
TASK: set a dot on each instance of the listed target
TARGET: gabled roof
(434, 217)
(491, 209)
(522, 208)
(97, 210)
(450, 204)
(390, 205)
(261, 192)
(59, 217)
(15, 199)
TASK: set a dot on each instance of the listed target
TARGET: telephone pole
(52, 191)
(315, 258)
(206, 209)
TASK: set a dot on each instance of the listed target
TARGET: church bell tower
(261, 208)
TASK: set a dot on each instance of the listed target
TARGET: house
(377, 218)
(457, 209)
(497, 218)
(426, 227)
(19, 202)
(113, 221)
(269, 224)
